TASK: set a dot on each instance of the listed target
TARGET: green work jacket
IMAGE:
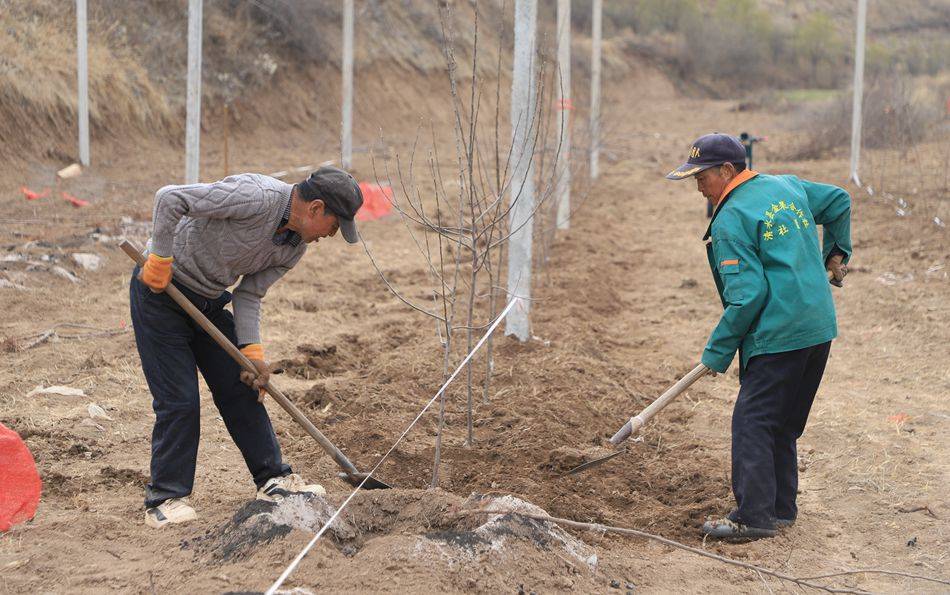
(769, 267)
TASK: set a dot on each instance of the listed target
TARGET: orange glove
(255, 353)
(157, 272)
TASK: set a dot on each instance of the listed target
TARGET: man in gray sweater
(249, 227)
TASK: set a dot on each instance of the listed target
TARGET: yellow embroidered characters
(797, 217)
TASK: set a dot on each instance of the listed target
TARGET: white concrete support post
(347, 139)
(858, 89)
(565, 107)
(193, 99)
(523, 132)
(82, 70)
(596, 35)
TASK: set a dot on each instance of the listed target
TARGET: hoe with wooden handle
(636, 423)
(350, 474)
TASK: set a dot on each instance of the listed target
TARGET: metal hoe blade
(632, 427)
(372, 483)
(595, 462)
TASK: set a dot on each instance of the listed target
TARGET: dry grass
(899, 112)
(905, 158)
(137, 59)
(38, 87)
(272, 61)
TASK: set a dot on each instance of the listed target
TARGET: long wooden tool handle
(297, 415)
(633, 426)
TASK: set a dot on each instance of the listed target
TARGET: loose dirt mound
(553, 409)
(433, 524)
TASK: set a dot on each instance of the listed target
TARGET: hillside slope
(276, 63)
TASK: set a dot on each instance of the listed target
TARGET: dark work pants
(172, 348)
(775, 395)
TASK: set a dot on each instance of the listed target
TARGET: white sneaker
(278, 488)
(173, 510)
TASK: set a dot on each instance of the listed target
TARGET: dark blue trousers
(173, 348)
(775, 396)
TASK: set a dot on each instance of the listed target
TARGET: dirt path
(625, 308)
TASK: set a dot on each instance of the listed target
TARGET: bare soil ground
(623, 309)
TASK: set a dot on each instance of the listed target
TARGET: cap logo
(694, 153)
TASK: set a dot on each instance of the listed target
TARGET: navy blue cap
(709, 151)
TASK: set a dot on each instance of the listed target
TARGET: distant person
(249, 227)
(773, 279)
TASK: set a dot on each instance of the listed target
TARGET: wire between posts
(296, 561)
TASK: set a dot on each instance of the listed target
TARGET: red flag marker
(377, 201)
(76, 202)
(30, 195)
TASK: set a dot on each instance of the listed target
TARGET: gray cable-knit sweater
(223, 231)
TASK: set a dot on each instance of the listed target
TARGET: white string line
(903, 207)
(293, 565)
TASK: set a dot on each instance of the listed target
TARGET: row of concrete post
(523, 121)
(564, 8)
(193, 99)
(524, 129)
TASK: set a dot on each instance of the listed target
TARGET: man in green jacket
(773, 278)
